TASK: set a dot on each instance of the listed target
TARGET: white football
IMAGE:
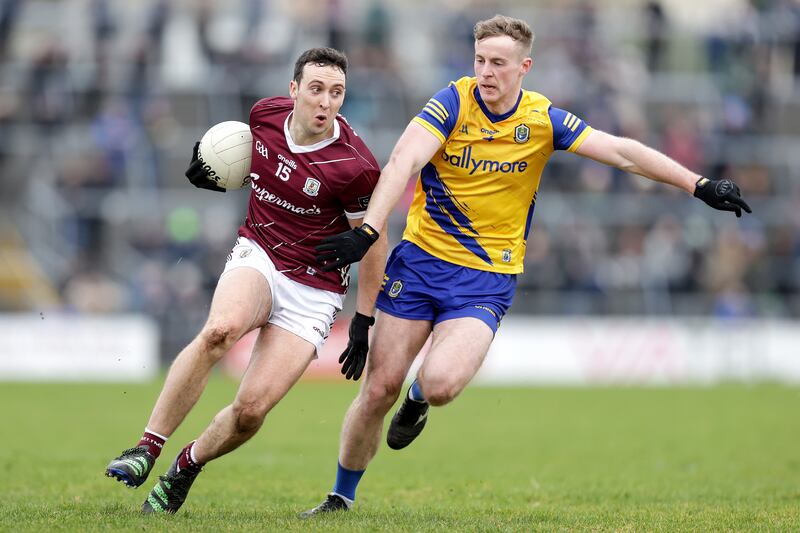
(226, 150)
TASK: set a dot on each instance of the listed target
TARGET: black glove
(345, 248)
(354, 356)
(198, 173)
(721, 194)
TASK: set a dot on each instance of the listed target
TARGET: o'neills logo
(210, 172)
(265, 196)
(465, 160)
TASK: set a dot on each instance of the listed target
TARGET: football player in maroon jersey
(312, 178)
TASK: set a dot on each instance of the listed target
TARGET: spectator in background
(9, 12)
(92, 292)
(335, 17)
(455, 45)
(50, 89)
(104, 31)
(656, 32)
(794, 39)
(378, 29)
(157, 18)
(681, 139)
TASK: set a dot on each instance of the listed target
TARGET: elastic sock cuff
(415, 393)
(191, 454)
(162, 437)
(347, 500)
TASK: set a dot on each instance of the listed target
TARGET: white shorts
(306, 311)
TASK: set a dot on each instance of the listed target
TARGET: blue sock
(415, 393)
(347, 482)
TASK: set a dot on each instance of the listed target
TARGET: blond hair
(501, 25)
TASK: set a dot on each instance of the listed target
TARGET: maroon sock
(152, 442)
(185, 461)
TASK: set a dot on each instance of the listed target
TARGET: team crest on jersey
(394, 290)
(522, 133)
(312, 187)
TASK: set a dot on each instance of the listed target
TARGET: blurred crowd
(101, 101)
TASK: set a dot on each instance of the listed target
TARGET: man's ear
(527, 65)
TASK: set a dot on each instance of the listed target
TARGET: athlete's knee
(218, 337)
(380, 395)
(441, 394)
(438, 389)
(248, 415)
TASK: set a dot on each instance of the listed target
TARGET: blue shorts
(419, 286)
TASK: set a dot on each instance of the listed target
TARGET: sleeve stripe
(356, 216)
(435, 109)
(431, 128)
(573, 122)
(435, 112)
(439, 106)
(567, 118)
(579, 140)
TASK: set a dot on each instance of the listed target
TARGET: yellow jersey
(474, 201)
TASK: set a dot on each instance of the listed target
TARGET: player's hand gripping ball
(221, 160)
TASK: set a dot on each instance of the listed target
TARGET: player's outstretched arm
(632, 156)
(413, 151)
(370, 278)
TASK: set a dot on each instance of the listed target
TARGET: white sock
(191, 454)
(347, 500)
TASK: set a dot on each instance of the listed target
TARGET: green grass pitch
(725, 458)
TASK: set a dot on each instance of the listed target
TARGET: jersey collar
(300, 149)
(491, 116)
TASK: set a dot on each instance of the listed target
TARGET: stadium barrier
(591, 350)
(527, 350)
(655, 351)
(68, 347)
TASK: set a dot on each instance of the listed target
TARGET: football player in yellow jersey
(478, 148)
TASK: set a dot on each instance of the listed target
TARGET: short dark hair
(517, 29)
(321, 57)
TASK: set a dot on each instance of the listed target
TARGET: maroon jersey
(302, 194)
